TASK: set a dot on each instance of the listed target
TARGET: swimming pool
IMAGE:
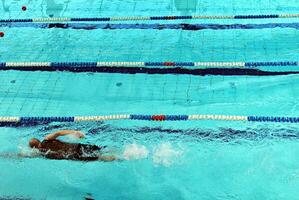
(202, 159)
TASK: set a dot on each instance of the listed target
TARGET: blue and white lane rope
(151, 18)
(150, 118)
(59, 65)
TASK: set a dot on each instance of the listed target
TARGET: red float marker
(1, 34)
(168, 63)
(158, 117)
(24, 8)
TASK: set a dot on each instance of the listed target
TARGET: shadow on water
(14, 198)
(87, 197)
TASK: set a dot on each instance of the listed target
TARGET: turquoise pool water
(180, 160)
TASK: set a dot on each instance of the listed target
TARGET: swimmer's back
(59, 146)
(55, 149)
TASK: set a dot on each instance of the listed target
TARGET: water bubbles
(135, 152)
(165, 154)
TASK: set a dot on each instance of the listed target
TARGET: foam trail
(135, 152)
(165, 154)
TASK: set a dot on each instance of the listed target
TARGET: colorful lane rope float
(151, 118)
(148, 18)
(59, 65)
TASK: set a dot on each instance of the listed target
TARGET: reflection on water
(5, 6)
(55, 9)
(186, 6)
(51, 8)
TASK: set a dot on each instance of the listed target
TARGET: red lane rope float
(169, 64)
(158, 117)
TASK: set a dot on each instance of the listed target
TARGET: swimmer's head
(34, 143)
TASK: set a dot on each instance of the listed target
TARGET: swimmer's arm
(57, 134)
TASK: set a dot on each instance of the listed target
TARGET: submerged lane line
(174, 71)
(182, 26)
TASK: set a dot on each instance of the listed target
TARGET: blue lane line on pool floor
(145, 70)
(191, 27)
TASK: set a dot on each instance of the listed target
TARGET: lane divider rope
(147, 18)
(59, 65)
(151, 118)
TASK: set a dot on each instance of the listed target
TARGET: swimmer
(52, 148)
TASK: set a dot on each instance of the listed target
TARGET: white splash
(165, 154)
(25, 150)
(135, 152)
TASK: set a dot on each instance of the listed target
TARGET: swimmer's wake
(163, 154)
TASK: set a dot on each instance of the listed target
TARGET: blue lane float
(257, 16)
(33, 120)
(153, 18)
(270, 64)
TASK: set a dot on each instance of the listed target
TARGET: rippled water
(161, 160)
